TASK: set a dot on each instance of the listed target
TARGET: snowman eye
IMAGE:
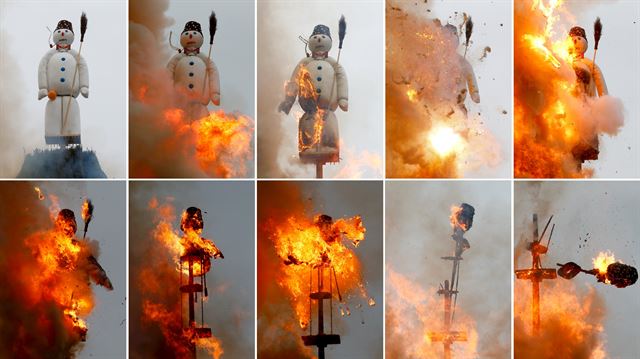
(323, 37)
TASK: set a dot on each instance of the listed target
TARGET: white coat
(188, 73)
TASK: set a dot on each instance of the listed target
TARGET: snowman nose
(318, 39)
(62, 33)
(190, 36)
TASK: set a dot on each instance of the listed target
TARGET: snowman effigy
(63, 75)
(320, 84)
(194, 74)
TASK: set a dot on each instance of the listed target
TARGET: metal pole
(319, 173)
(192, 346)
(447, 319)
(535, 306)
(320, 311)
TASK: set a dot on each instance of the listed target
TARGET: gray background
(418, 233)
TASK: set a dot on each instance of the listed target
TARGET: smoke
(554, 126)
(163, 141)
(279, 51)
(418, 234)
(61, 163)
(422, 90)
(14, 134)
(35, 292)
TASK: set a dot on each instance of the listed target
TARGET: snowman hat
(577, 31)
(192, 26)
(321, 30)
(64, 24)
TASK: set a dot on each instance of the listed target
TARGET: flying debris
(619, 274)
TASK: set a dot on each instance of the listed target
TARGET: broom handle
(73, 82)
(206, 73)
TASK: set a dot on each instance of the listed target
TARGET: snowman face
(579, 46)
(320, 43)
(191, 39)
(63, 37)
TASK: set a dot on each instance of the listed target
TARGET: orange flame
(307, 91)
(304, 244)
(39, 192)
(602, 261)
(455, 211)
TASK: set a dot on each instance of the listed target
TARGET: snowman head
(579, 43)
(63, 34)
(452, 32)
(191, 37)
(320, 40)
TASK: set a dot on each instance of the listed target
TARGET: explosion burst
(430, 130)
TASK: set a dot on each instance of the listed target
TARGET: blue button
(62, 69)
(190, 74)
(190, 86)
(319, 78)
(319, 67)
(62, 79)
(63, 59)
(191, 63)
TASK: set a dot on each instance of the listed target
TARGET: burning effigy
(170, 121)
(606, 270)
(173, 310)
(562, 104)
(320, 84)
(314, 260)
(48, 293)
(432, 128)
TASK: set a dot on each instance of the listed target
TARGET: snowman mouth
(191, 42)
(62, 40)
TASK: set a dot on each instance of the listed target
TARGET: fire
(454, 218)
(221, 142)
(602, 261)
(413, 312)
(169, 317)
(556, 125)
(307, 93)
(572, 322)
(445, 141)
(39, 192)
(433, 130)
(305, 244)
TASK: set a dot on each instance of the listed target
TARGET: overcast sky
(598, 216)
(107, 323)
(494, 73)
(418, 233)
(23, 38)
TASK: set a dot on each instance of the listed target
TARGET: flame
(305, 244)
(602, 261)
(39, 192)
(166, 317)
(307, 91)
(412, 95)
(571, 322)
(455, 211)
(413, 312)
(221, 142)
(445, 141)
(555, 125)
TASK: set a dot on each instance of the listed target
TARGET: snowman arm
(42, 71)
(472, 84)
(83, 71)
(601, 85)
(214, 78)
(171, 66)
(341, 82)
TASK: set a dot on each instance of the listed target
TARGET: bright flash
(444, 140)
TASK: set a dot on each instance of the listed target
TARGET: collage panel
(320, 265)
(320, 95)
(191, 89)
(576, 106)
(448, 89)
(575, 259)
(62, 94)
(448, 282)
(63, 269)
(191, 269)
